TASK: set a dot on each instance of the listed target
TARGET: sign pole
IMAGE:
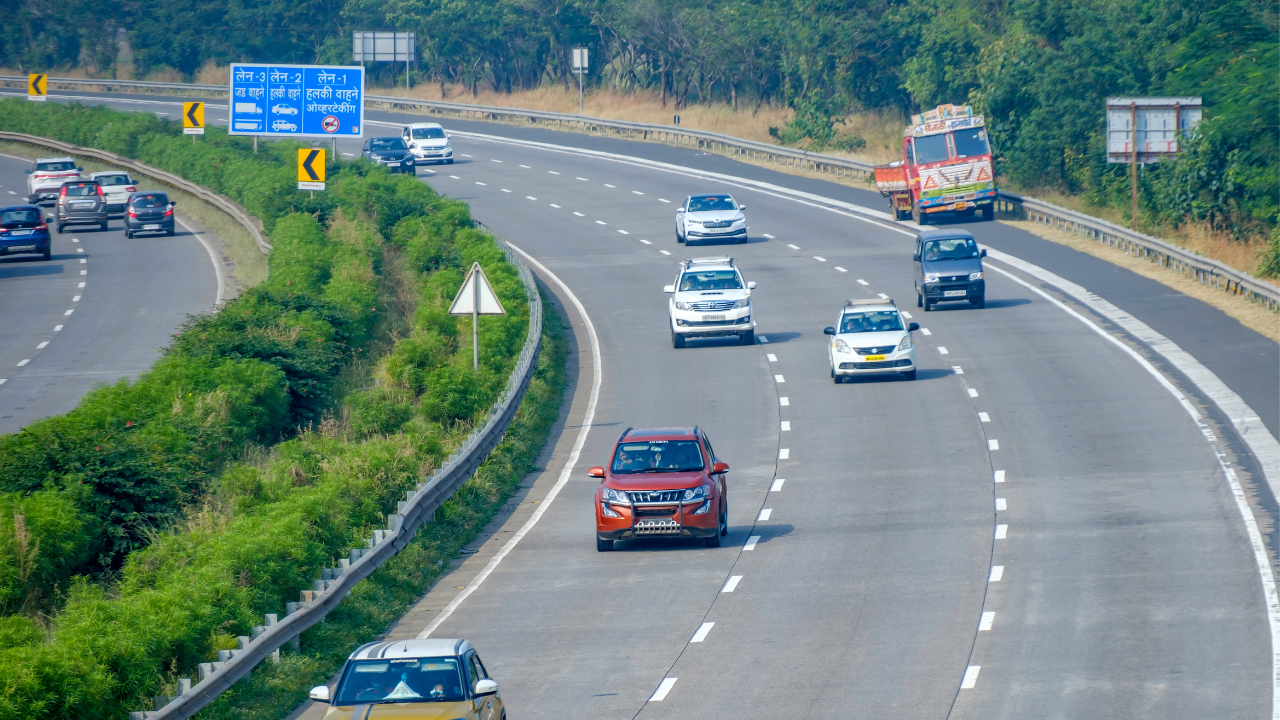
(475, 326)
(1133, 167)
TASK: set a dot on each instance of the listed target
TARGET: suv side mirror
(27, 171)
(982, 254)
(678, 210)
(742, 207)
(173, 202)
(668, 288)
(79, 169)
(915, 256)
(719, 468)
(913, 327)
(596, 472)
(751, 284)
(320, 693)
(486, 687)
(48, 219)
(831, 330)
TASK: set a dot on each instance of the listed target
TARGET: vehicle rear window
(949, 249)
(55, 166)
(931, 149)
(711, 202)
(112, 179)
(428, 133)
(871, 321)
(971, 143)
(19, 218)
(80, 190)
(710, 280)
(657, 456)
(386, 144)
(400, 680)
(149, 201)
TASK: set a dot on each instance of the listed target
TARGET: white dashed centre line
(732, 584)
(970, 677)
(664, 252)
(751, 543)
(79, 249)
(973, 393)
(610, 186)
(942, 351)
(555, 206)
(769, 236)
(492, 160)
(883, 296)
(553, 172)
(663, 200)
(24, 362)
(83, 261)
(819, 259)
(957, 369)
(779, 378)
(349, 154)
(925, 331)
(575, 212)
(455, 177)
(623, 232)
(784, 401)
(81, 284)
(777, 485)
(983, 417)
(841, 269)
(764, 339)
(75, 239)
(636, 192)
(663, 688)
(11, 192)
(530, 197)
(764, 514)
(465, 155)
(1002, 531)
(75, 298)
(786, 426)
(57, 328)
(999, 476)
(5, 380)
(906, 314)
(993, 444)
(997, 572)
(702, 632)
(582, 179)
(480, 183)
(985, 624)
(84, 272)
(68, 312)
(1002, 504)
(793, 247)
(601, 222)
(646, 242)
(784, 454)
(772, 357)
(505, 190)
(43, 345)
(863, 282)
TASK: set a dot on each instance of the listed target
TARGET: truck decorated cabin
(946, 167)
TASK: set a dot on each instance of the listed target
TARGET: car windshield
(386, 144)
(657, 456)
(709, 203)
(931, 149)
(971, 143)
(871, 321)
(949, 249)
(710, 280)
(428, 133)
(400, 680)
(55, 166)
(19, 218)
(150, 201)
(112, 179)
(80, 190)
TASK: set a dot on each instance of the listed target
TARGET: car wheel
(128, 234)
(62, 229)
(104, 227)
(48, 252)
(910, 375)
(749, 337)
(988, 212)
(679, 239)
(169, 232)
(677, 340)
(980, 303)
(919, 300)
(928, 305)
(603, 545)
(449, 161)
(743, 241)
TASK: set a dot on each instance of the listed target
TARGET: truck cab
(946, 168)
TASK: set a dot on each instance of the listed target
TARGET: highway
(1037, 526)
(101, 310)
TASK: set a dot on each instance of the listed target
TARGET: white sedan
(710, 217)
(871, 338)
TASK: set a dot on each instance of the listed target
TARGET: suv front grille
(712, 305)
(882, 350)
(646, 496)
(720, 224)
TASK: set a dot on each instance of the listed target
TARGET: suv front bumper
(433, 155)
(694, 324)
(659, 520)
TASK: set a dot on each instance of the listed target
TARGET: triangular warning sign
(476, 291)
(983, 174)
(929, 183)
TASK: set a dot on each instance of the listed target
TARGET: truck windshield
(931, 149)
(971, 143)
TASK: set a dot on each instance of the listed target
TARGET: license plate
(22, 248)
(712, 318)
(20, 232)
(150, 227)
(962, 205)
(83, 204)
(875, 357)
(954, 293)
(396, 164)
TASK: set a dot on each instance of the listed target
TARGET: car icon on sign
(284, 110)
(283, 125)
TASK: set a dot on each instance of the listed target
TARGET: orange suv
(662, 482)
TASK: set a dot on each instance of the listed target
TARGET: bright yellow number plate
(961, 205)
(875, 357)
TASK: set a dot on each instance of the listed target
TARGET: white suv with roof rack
(44, 182)
(871, 338)
(710, 299)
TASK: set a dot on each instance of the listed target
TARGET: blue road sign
(297, 100)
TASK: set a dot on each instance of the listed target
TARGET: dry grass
(1250, 315)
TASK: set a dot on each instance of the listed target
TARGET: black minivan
(948, 269)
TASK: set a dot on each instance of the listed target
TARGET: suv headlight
(742, 303)
(931, 277)
(698, 493)
(906, 342)
(682, 306)
(739, 221)
(975, 276)
(611, 495)
(842, 346)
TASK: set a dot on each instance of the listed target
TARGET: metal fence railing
(1177, 259)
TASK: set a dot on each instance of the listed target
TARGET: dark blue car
(23, 231)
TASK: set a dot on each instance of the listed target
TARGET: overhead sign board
(37, 87)
(383, 46)
(296, 100)
(1160, 124)
(192, 118)
(310, 168)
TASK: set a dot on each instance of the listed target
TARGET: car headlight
(702, 491)
(975, 276)
(842, 346)
(611, 495)
(742, 303)
(682, 306)
(931, 277)
(906, 342)
(739, 221)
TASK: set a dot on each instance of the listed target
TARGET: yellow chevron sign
(192, 118)
(37, 87)
(310, 168)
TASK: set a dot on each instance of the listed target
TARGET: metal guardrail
(1177, 259)
(221, 202)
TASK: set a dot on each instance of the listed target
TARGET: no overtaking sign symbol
(330, 124)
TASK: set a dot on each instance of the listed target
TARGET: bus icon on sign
(330, 124)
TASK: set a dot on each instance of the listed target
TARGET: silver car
(711, 217)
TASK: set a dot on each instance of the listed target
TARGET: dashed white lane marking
(68, 312)
(957, 369)
(81, 284)
(999, 476)
(554, 206)
(624, 232)
(575, 212)
(751, 542)
(505, 190)
(784, 454)
(601, 222)
(57, 328)
(79, 249)
(925, 331)
(84, 272)
(784, 401)
(840, 269)
(636, 192)
(480, 183)
(24, 362)
(83, 261)
(664, 687)
(997, 572)
(43, 345)
(769, 236)
(664, 252)
(530, 197)
(772, 357)
(777, 485)
(863, 282)
(983, 417)
(763, 339)
(819, 259)
(764, 514)
(582, 179)
(793, 247)
(464, 155)
(553, 172)
(610, 186)
(786, 426)
(75, 298)
(1002, 504)
(12, 192)
(779, 378)
(970, 677)
(455, 177)
(4, 380)
(993, 444)
(702, 632)
(905, 314)
(942, 351)
(732, 584)
(526, 167)
(75, 239)
(492, 160)
(1002, 531)
(973, 393)
(646, 242)
(349, 154)
(984, 624)
(883, 296)
(663, 200)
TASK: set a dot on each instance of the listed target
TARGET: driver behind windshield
(657, 456)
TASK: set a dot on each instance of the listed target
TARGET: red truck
(946, 167)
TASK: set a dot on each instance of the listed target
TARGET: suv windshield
(949, 249)
(872, 321)
(112, 179)
(931, 149)
(710, 280)
(428, 133)
(386, 144)
(19, 218)
(655, 456)
(971, 143)
(55, 166)
(400, 680)
(149, 201)
(80, 190)
(711, 202)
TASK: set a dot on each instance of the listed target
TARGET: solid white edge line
(1260, 555)
(213, 258)
(565, 474)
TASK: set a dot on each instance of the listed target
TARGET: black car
(948, 269)
(81, 202)
(148, 212)
(389, 152)
(23, 230)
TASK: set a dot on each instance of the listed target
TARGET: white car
(280, 125)
(710, 217)
(117, 186)
(428, 142)
(284, 110)
(709, 299)
(871, 338)
(44, 182)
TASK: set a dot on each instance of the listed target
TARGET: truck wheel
(988, 212)
(918, 215)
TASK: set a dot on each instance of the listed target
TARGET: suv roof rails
(721, 260)
(870, 301)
